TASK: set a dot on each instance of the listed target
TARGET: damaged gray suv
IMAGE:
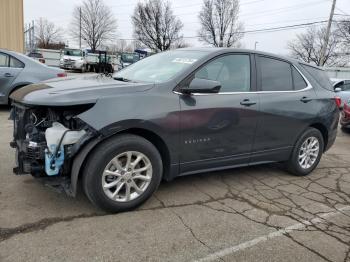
(175, 113)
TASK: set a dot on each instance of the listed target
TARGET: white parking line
(278, 233)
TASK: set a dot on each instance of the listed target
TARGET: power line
(269, 29)
(272, 11)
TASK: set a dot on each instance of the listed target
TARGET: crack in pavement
(266, 191)
(6, 233)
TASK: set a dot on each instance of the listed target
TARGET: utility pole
(255, 44)
(33, 36)
(79, 27)
(326, 38)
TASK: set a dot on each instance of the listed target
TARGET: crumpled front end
(47, 139)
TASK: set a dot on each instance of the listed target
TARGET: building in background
(11, 25)
(338, 72)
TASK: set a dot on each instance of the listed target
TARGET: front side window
(346, 86)
(276, 75)
(232, 71)
(4, 60)
(15, 63)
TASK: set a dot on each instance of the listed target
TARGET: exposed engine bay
(47, 138)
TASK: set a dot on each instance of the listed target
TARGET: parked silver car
(342, 87)
(18, 70)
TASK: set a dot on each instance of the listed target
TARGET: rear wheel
(122, 173)
(307, 153)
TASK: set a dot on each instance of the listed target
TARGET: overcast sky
(255, 14)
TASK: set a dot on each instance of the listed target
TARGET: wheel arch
(323, 129)
(16, 87)
(83, 154)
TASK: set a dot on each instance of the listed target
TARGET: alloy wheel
(309, 152)
(127, 176)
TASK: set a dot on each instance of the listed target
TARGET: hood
(72, 58)
(75, 90)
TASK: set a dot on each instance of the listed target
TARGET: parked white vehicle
(76, 59)
(73, 59)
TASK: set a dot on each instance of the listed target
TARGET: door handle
(8, 75)
(247, 102)
(305, 99)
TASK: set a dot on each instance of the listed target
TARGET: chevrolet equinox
(172, 114)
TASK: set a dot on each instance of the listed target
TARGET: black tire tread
(293, 165)
(98, 158)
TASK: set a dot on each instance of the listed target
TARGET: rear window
(319, 76)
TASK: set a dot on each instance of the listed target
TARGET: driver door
(217, 130)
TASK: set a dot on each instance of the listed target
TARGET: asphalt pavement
(257, 213)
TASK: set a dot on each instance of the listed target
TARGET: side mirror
(202, 86)
(338, 89)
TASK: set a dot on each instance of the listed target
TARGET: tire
(305, 168)
(345, 129)
(101, 167)
(83, 69)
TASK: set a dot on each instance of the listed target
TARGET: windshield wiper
(122, 79)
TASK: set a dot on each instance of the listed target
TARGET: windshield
(130, 58)
(71, 52)
(160, 67)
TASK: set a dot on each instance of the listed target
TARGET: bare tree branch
(98, 24)
(307, 47)
(219, 23)
(46, 33)
(344, 33)
(156, 26)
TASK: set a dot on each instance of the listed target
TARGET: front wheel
(122, 173)
(307, 153)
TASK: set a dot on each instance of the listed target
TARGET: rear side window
(319, 76)
(276, 75)
(14, 62)
(299, 82)
(4, 60)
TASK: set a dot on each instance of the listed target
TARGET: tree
(307, 47)
(46, 33)
(219, 23)
(97, 22)
(344, 32)
(156, 26)
(121, 46)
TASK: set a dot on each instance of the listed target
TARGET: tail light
(337, 101)
(62, 74)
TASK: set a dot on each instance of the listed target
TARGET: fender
(78, 162)
(106, 133)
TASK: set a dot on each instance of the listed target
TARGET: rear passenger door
(286, 106)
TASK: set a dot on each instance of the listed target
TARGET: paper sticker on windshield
(184, 60)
